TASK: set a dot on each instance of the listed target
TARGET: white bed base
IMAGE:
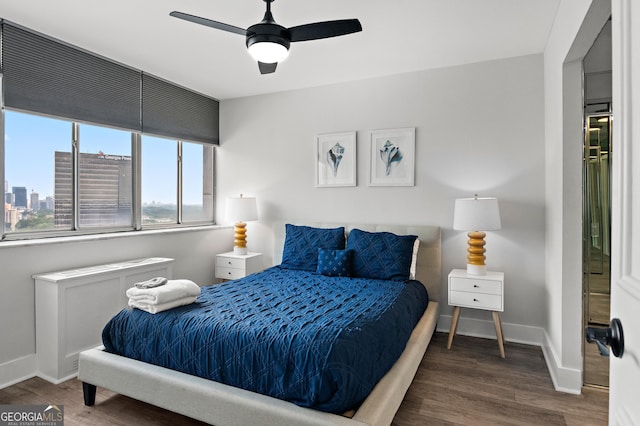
(223, 405)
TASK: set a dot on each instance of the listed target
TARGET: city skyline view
(31, 141)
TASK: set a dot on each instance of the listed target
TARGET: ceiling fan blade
(267, 68)
(209, 23)
(324, 29)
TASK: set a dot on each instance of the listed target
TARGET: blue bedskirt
(319, 342)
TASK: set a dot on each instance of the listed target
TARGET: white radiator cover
(73, 306)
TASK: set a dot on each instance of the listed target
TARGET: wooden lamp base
(240, 238)
(475, 256)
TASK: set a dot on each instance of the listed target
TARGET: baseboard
(486, 329)
(568, 380)
(564, 379)
(54, 380)
(18, 370)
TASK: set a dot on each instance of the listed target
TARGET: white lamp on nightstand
(476, 215)
(242, 210)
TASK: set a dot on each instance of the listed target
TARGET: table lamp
(476, 215)
(242, 210)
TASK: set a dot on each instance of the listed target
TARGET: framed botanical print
(336, 159)
(392, 157)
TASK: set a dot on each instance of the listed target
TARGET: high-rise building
(34, 201)
(11, 218)
(105, 190)
(49, 203)
(8, 198)
(20, 196)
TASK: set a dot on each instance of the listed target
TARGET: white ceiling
(398, 36)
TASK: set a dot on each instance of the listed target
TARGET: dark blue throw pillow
(301, 245)
(381, 255)
(334, 263)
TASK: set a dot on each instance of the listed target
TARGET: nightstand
(478, 292)
(231, 266)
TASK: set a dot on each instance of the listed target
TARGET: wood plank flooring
(467, 385)
(471, 385)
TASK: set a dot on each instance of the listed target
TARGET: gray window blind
(45, 76)
(169, 110)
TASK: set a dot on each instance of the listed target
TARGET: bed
(222, 404)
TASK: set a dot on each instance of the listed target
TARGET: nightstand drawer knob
(475, 300)
(229, 262)
(476, 286)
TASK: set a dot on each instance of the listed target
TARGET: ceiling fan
(268, 42)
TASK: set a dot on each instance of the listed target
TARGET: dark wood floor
(467, 385)
(471, 385)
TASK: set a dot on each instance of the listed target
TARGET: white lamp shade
(268, 52)
(242, 209)
(476, 214)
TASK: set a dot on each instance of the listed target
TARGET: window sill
(107, 236)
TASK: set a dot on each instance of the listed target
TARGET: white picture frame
(392, 157)
(336, 159)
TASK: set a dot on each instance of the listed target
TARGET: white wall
(193, 249)
(479, 129)
(577, 24)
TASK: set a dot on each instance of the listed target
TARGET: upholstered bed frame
(220, 404)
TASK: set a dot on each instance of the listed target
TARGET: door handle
(603, 337)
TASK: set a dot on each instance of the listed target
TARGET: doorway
(596, 196)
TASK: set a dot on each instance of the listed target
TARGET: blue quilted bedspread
(319, 342)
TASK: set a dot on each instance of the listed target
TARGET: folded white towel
(153, 282)
(172, 290)
(154, 308)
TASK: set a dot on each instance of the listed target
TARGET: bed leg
(89, 392)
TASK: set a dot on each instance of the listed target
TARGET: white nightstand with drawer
(231, 266)
(478, 292)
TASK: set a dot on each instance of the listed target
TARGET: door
(625, 233)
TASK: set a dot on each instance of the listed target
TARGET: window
(174, 171)
(197, 182)
(176, 178)
(33, 145)
(159, 181)
(105, 186)
(77, 172)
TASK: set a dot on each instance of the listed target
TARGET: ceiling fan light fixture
(268, 42)
(268, 52)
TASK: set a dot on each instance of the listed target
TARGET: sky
(30, 143)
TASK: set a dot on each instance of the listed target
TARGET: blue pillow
(334, 263)
(301, 245)
(381, 255)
